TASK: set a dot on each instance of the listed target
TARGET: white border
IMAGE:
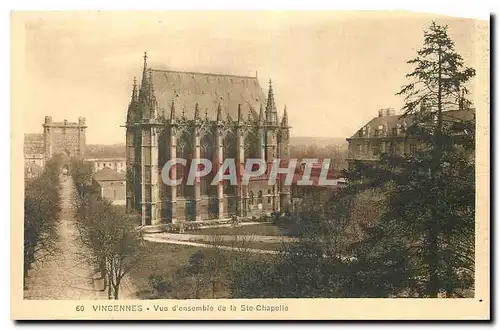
(470, 9)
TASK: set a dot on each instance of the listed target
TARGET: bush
(192, 225)
(158, 283)
(265, 218)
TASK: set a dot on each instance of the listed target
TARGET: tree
(424, 242)
(41, 211)
(195, 269)
(314, 265)
(82, 176)
(107, 231)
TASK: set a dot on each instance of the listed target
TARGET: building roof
(108, 174)
(33, 137)
(34, 143)
(392, 121)
(115, 159)
(208, 90)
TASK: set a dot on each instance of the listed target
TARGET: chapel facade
(193, 115)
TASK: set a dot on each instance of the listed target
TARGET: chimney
(386, 112)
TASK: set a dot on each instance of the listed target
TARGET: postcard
(323, 165)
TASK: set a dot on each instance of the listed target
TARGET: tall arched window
(180, 170)
(252, 147)
(206, 152)
(230, 152)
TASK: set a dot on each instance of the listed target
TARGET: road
(65, 274)
(227, 238)
(166, 240)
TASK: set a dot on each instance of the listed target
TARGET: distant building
(37, 159)
(34, 149)
(32, 170)
(117, 164)
(111, 184)
(58, 138)
(386, 133)
(317, 190)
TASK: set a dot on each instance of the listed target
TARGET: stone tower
(66, 138)
(271, 131)
(284, 152)
(142, 132)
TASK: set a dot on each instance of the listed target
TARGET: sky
(332, 70)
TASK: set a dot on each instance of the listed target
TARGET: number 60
(80, 308)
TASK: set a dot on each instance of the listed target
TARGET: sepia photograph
(233, 165)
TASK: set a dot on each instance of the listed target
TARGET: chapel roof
(209, 90)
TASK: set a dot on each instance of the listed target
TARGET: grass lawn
(265, 229)
(167, 260)
(162, 259)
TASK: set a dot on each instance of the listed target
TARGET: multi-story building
(117, 164)
(386, 133)
(34, 149)
(193, 115)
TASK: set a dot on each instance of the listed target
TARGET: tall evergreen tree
(427, 233)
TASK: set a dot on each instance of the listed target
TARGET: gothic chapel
(194, 115)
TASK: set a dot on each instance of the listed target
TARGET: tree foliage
(414, 213)
(424, 243)
(108, 232)
(41, 211)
